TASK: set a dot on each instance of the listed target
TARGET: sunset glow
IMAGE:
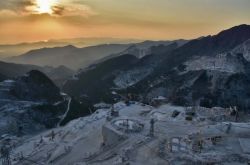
(140, 19)
(45, 6)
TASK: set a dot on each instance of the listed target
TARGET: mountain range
(10, 50)
(208, 71)
(77, 58)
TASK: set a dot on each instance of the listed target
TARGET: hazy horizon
(116, 39)
(36, 20)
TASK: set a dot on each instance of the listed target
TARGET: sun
(45, 6)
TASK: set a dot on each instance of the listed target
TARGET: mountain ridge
(171, 71)
(77, 58)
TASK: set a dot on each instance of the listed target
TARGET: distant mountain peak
(39, 77)
(233, 36)
(36, 86)
(70, 46)
(240, 29)
(222, 42)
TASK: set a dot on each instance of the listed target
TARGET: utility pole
(114, 113)
(151, 132)
(236, 114)
(112, 110)
(228, 128)
(127, 125)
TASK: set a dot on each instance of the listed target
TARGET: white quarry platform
(100, 139)
(245, 145)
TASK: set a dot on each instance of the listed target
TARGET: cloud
(28, 7)
(15, 5)
(79, 10)
(8, 13)
(58, 10)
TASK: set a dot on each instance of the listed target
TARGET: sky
(38, 20)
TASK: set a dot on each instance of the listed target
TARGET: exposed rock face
(243, 49)
(226, 62)
(131, 77)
